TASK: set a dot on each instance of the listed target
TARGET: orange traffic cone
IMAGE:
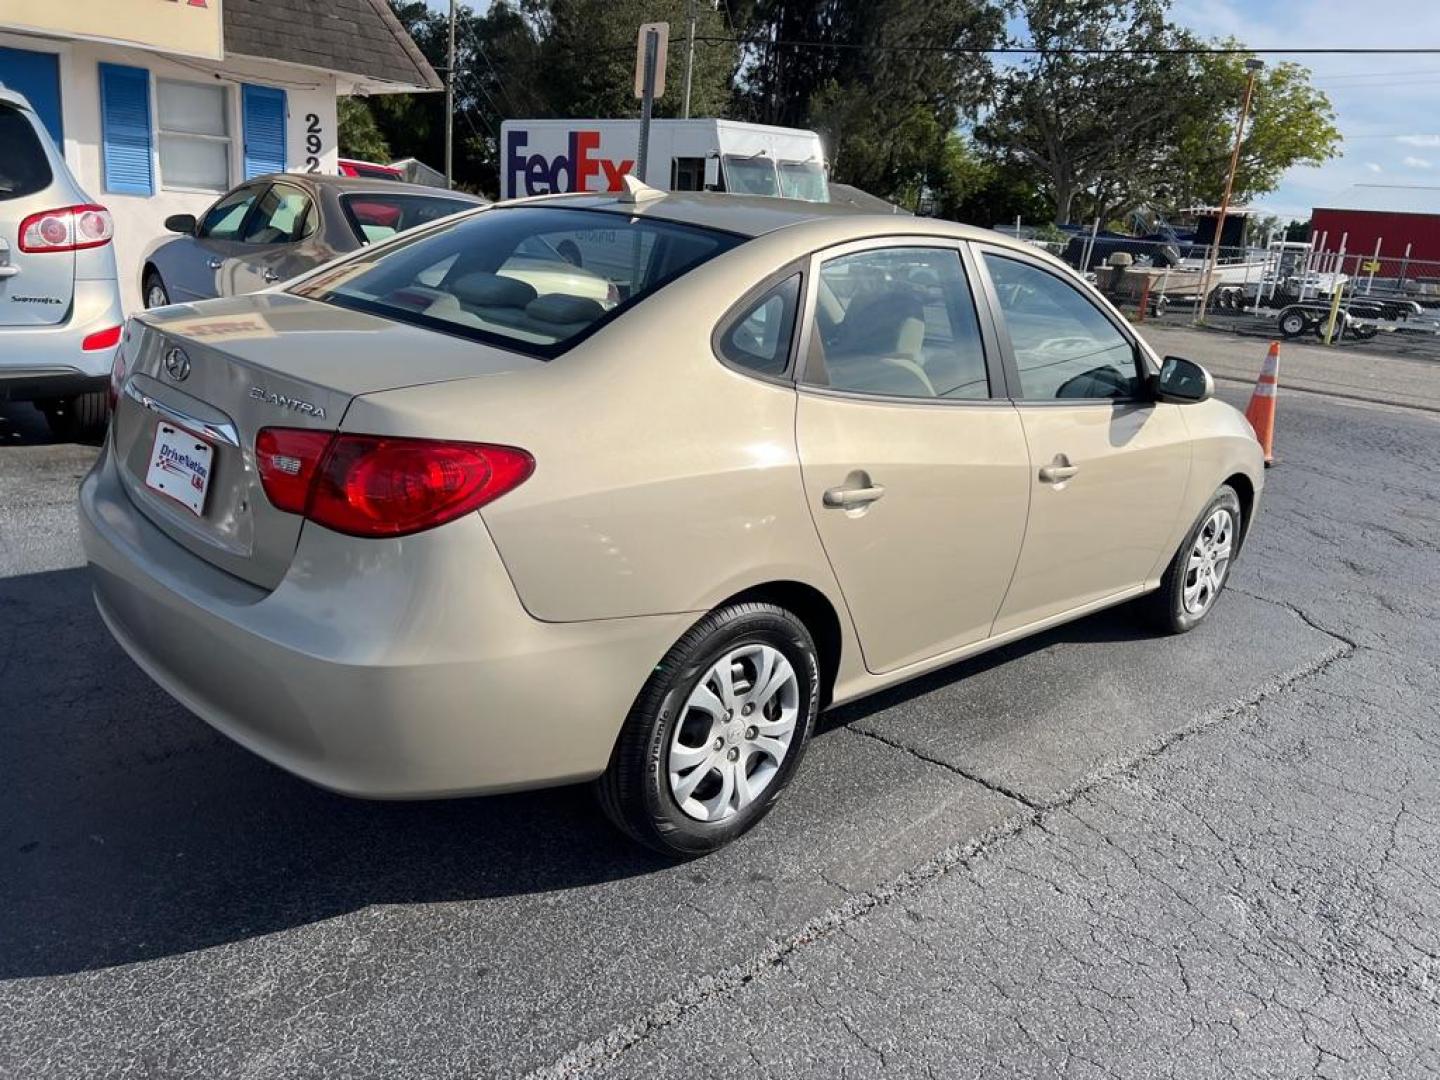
(1261, 412)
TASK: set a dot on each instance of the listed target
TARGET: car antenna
(637, 191)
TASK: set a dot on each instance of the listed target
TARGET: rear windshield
(378, 216)
(24, 168)
(531, 278)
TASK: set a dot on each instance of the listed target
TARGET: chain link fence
(1291, 290)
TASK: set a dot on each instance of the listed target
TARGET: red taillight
(71, 228)
(374, 485)
(101, 339)
(287, 459)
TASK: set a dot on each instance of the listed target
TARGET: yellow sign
(1371, 267)
(183, 27)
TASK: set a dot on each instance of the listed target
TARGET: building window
(194, 128)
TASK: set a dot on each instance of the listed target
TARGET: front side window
(1064, 345)
(376, 216)
(509, 276)
(750, 175)
(194, 135)
(282, 216)
(224, 219)
(24, 168)
(898, 322)
(758, 338)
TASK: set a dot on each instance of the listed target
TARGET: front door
(274, 241)
(199, 268)
(1108, 464)
(916, 476)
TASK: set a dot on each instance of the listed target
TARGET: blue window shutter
(125, 129)
(37, 76)
(264, 108)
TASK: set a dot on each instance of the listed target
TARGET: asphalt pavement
(1095, 853)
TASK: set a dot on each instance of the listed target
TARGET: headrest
(492, 290)
(559, 308)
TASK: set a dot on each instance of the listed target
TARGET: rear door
(915, 471)
(1108, 464)
(36, 287)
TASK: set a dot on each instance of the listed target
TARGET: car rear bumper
(48, 361)
(378, 668)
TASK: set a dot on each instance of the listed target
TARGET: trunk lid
(222, 370)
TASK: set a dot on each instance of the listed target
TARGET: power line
(1033, 50)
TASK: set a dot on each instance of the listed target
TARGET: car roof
(758, 215)
(350, 185)
(14, 97)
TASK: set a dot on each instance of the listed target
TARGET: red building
(1394, 216)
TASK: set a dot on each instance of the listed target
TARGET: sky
(1387, 107)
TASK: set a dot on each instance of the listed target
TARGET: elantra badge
(259, 393)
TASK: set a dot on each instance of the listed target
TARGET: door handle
(1058, 471)
(848, 498)
(270, 276)
(215, 264)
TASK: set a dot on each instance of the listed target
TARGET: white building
(161, 105)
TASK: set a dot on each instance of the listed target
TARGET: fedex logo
(565, 172)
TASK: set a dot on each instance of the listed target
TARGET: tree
(1136, 122)
(1291, 123)
(885, 82)
(587, 58)
(360, 136)
(1089, 122)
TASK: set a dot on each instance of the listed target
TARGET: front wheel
(716, 733)
(1199, 570)
(156, 295)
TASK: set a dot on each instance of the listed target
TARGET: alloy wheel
(1209, 562)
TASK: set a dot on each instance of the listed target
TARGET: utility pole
(1252, 68)
(450, 106)
(689, 55)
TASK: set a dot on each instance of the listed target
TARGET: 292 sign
(312, 142)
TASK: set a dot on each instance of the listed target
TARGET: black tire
(81, 417)
(151, 285)
(1165, 608)
(635, 790)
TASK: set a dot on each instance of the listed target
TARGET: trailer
(1360, 318)
(547, 156)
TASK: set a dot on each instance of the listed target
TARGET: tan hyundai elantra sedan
(423, 523)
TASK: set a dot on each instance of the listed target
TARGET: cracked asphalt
(1096, 853)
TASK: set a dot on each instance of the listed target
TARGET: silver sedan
(275, 227)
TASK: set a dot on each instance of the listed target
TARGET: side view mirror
(1182, 381)
(181, 223)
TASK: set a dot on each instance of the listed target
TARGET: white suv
(60, 314)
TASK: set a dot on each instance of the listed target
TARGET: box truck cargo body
(547, 156)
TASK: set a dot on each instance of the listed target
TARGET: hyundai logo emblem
(177, 365)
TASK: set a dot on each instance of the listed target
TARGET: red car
(368, 169)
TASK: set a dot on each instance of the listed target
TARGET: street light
(1252, 69)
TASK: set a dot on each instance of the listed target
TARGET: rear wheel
(79, 417)
(156, 295)
(716, 733)
(1199, 570)
(1292, 323)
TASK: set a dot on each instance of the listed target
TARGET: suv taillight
(378, 485)
(71, 228)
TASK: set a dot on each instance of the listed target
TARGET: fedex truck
(545, 156)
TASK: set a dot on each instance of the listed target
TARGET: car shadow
(22, 424)
(130, 831)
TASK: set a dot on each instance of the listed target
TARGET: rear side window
(378, 216)
(758, 337)
(530, 278)
(24, 168)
